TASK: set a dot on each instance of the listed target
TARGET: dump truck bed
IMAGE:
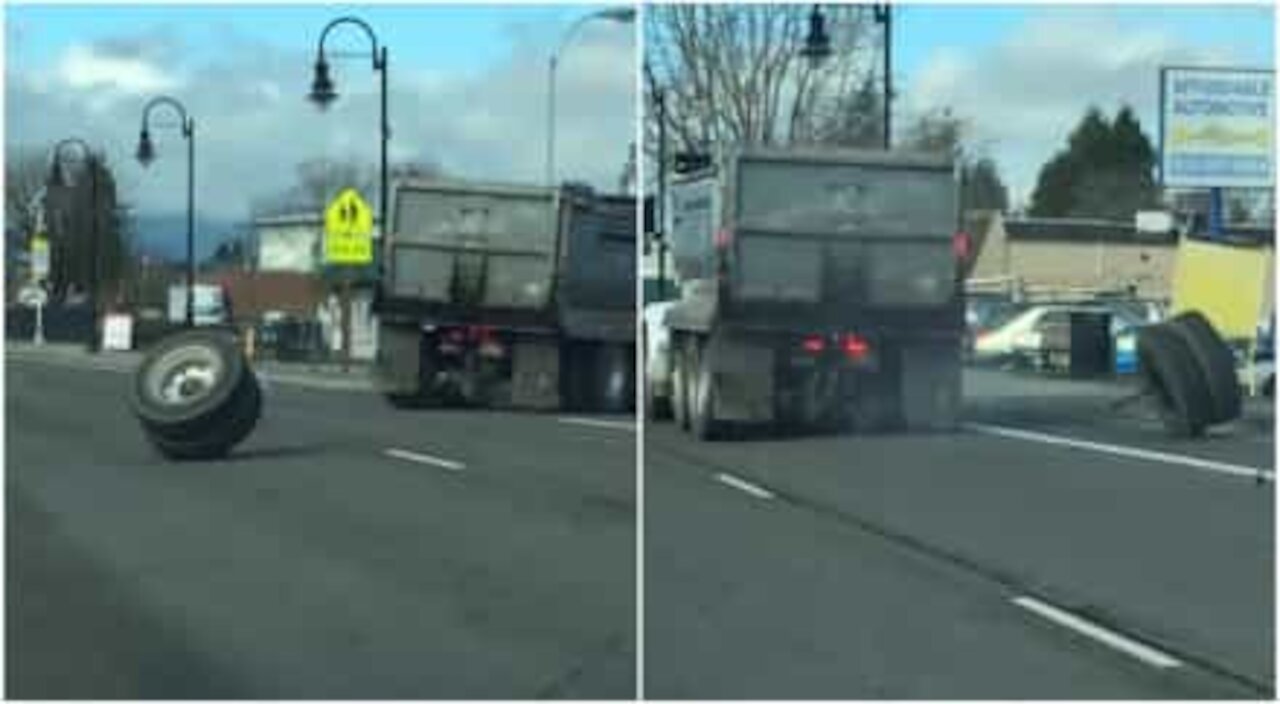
(473, 245)
(836, 230)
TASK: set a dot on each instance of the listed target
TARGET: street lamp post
(323, 94)
(817, 48)
(660, 206)
(622, 15)
(56, 178)
(147, 154)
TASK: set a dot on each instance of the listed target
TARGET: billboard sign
(1217, 128)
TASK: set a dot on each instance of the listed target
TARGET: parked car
(1260, 377)
(1021, 339)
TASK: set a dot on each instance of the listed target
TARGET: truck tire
(1216, 363)
(187, 382)
(1170, 371)
(216, 439)
(703, 401)
(655, 408)
(679, 384)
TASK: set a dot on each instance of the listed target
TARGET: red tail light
(962, 245)
(724, 238)
(814, 344)
(854, 346)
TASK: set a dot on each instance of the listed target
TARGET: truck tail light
(961, 245)
(813, 344)
(855, 347)
(724, 238)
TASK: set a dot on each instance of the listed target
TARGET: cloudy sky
(468, 87)
(1024, 75)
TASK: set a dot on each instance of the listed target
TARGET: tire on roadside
(195, 395)
(1216, 363)
(1170, 370)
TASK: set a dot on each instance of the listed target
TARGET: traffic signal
(692, 161)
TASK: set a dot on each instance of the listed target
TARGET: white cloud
(254, 124)
(83, 67)
(1023, 96)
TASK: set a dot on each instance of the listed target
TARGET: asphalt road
(1008, 560)
(345, 550)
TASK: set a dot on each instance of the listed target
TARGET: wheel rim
(184, 376)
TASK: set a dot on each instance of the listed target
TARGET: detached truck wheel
(1169, 368)
(196, 396)
(1216, 363)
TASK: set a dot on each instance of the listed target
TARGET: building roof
(1083, 230)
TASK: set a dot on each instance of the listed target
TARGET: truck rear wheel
(679, 384)
(703, 421)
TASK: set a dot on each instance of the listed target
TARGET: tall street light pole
(660, 206)
(147, 154)
(323, 94)
(621, 15)
(56, 178)
(883, 14)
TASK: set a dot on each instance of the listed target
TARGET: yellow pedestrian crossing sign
(348, 230)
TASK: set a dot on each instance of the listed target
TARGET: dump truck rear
(817, 289)
(507, 296)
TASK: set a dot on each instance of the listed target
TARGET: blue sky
(451, 37)
(468, 82)
(1021, 76)
(468, 91)
(921, 30)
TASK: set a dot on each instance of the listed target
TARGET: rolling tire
(703, 403)
(186, 380)
(1216, 362)
(195, 395)
(216, 439)
(1170, 370)
(679, 386)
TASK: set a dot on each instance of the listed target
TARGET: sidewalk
(312, 375)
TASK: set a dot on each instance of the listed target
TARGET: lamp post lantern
(56, 177)
(620, 15)
(147, 153)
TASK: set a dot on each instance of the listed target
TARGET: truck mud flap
(930, 383)
(744, 379)
(398, 360)
(535, 382)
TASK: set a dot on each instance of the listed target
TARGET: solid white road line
(1235, 470)
(424, 459)
(743, 485)
(1109, 638)
(595, 423)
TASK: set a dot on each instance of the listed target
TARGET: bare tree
(319, 180)
(733, 74)
(24, 181)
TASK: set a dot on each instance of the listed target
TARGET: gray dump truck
(818, 289)
(508, 296)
